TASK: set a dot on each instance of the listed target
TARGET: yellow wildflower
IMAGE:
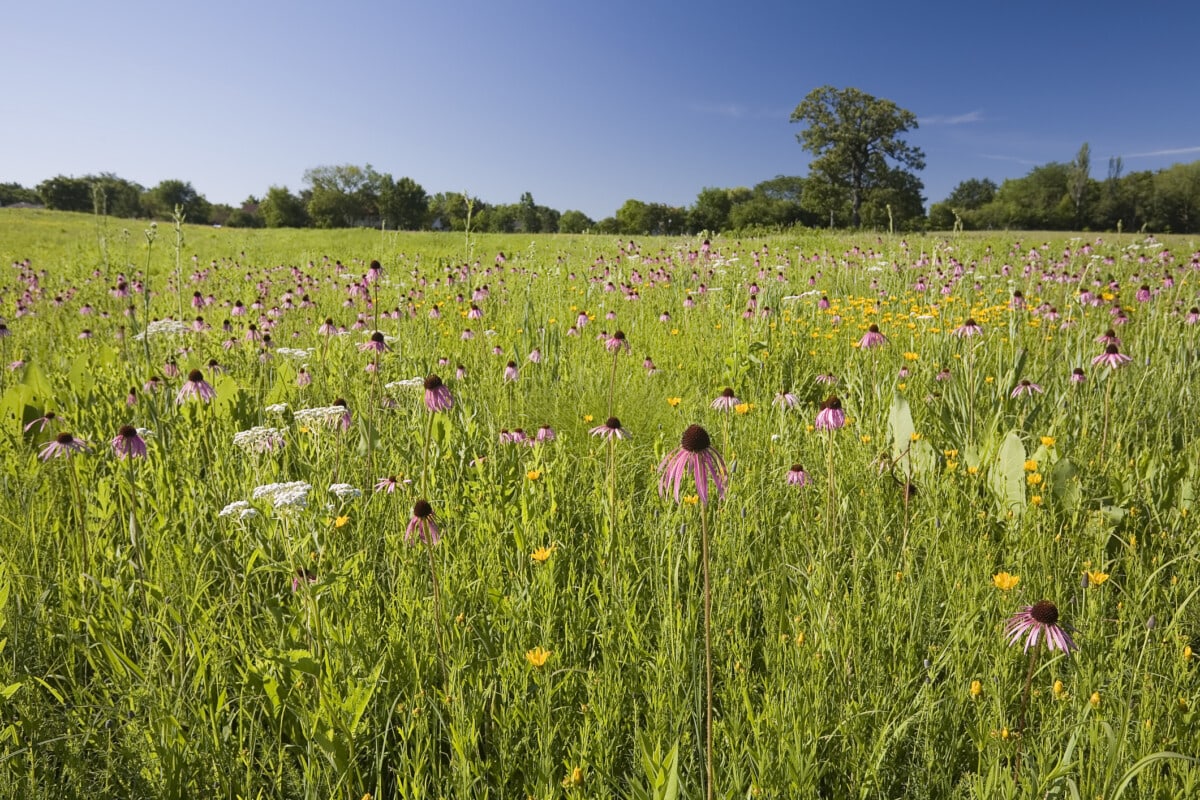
(911, 356)
(989, 379)
(866, 438)
(533, 474)
(691, 499)
(1095, 578)
(1095, 699)
(1059, 690)
(1031, 466)
(674, 401)
(1047, 441)
(976, 688)
(1034, 479)
(951, 454)
(341, 521)
(1187, 653)
(574, 779)
(914, 436)
(588, 417)
(1036, 500)
(537, 656)
(542, 553)
(972, 469)
(742, 408)
(1004, 581)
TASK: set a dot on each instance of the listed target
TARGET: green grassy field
(171, 628)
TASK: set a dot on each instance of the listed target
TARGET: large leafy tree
(403, 204)
(282, 209)
(856, 139)
(162, 200)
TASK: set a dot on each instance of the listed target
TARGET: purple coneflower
(1039, 621)
(695, 454)
(510, 371)
(796, 476)
(1193, 316)
(1111, 357)
(328, 328)
(611, 429)
(545, 434)
(460, 372)
(1078, 375)
(830, 417)
(375, 344)
(347, 419)
(195, 386)
(1109, 337)
(617, 342)
(942, 376)
(785, 400)
(1018, 301)
(303, 577)
(129, 443)
(423, 524)
(872, 338)
(968, 329)
(49, 418)
(64, 444)
(437, 394)
(825, 377)
(131, 398)
(303, 378)
(170, 369)
(389, 484)
(535, 356)
(726, 400)
(1027, 388)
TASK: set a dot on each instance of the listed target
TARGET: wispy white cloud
(1013, 159)
(1174, 151)
(955, 119)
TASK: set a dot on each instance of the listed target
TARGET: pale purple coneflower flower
(510, 371)
(170, 369)
(49, 418)
(942, 376)
(1193, 316)
(1026, 387)
(796, 476)
(475, 312)
(65, 444)
(303, 378)
(390, 484)
(195, 386)
(786, 400)
(726, 400)
(375, 344)
(611, 429)
(423, 524)
(437, 394)
(328, 328)
(872, 338)
(968, 329)
(346, 419)
(128, 443)
(830, 417)
(825, 377)
(1018, 301)
(302, 577)
(460, 372)
(131, 398)
(467, 334)
(1111, 358)
(695, 454)
(617, 342)
(1078, 375)
(545, 434)
(1039, 621)
(1109, 337)
(535, 356)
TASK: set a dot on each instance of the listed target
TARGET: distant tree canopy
(1053, 196)
(1062, 196)
(860, 158)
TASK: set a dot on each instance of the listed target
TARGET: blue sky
(583, 105)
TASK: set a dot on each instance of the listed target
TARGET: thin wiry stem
(708, 680)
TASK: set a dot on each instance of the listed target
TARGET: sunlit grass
(155, 647)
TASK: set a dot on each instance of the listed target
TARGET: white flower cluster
(241, 508)
(276, 408)
(163, 326)
(259, 439)
(411, 383)
(291, 495)
(344, 491)
(326, 415)
(298, 353)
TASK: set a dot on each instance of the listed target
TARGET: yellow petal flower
(1031, 466)
(1004, 581)
(674, 401)
(537, 656)
(341, 521)
(542, 553)
(976, 688)
(533, 474)
(1096, 578)
(1047, 441)
(1095, 699)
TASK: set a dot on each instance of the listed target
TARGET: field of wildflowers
(335, 514)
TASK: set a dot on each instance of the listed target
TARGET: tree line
(862, 174)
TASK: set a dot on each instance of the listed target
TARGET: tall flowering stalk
(697, 456)
(1114, 359)
(830, 418)
(423, 526)
(1038, 622)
